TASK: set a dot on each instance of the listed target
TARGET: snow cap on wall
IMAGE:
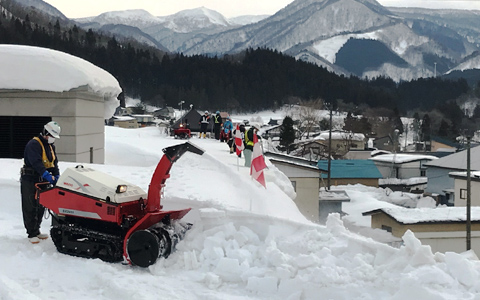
(42, 69)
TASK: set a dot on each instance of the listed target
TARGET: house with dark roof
(351, 171)
(439, 181)
(440, 144)
(165, 113)
(191, 118)
(385, 143)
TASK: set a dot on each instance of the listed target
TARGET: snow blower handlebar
(161, 174)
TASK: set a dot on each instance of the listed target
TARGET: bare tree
(309, 116)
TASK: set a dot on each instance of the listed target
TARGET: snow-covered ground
(247, 242)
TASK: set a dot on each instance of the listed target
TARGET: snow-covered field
(247, 242)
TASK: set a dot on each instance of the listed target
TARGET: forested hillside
(252, 80)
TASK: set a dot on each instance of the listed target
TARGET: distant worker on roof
(204, 120)
(217, 122)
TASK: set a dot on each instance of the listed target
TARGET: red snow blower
(96, 215)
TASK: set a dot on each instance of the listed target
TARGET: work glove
(56, 178)
(48, 177)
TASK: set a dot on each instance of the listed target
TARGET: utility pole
(329, 150)
(181, 111)
(469, 224)
(435, 72)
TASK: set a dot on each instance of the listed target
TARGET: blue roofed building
(351, 171)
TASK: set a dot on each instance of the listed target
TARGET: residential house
(386, 143)
(272, 122)
(272, 131)
(224, 115)
(402, 166)
(123, 122)
(343, 172)
(343, 141)
(305, 177)
(165, 113)
(442, 228)
(312, 149)
(144, 120)
(440, 144)
(191, 118)
(439, 181)
(460, 188)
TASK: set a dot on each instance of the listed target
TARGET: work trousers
(217, 131)
(248, 157)
(32, 210)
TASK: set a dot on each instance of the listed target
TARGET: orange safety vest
(47, 163)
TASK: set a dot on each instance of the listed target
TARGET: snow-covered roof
(428, 215)
(42, 69)
(408, 181)
(458, 161)
(124, 118)
(343, 136)
(473, 175)
(400, 158)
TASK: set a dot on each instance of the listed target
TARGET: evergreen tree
(287, 134)
(443, 129)
(425, 128)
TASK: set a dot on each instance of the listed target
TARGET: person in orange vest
(40, 165)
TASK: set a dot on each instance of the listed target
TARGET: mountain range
(349, 37)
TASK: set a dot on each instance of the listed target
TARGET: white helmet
(53, 128)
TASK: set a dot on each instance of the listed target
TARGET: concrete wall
(79, 112)
(307, 187)
(307, 190)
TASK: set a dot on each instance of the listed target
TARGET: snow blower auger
(96, 215)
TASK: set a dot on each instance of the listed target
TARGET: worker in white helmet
(40, 165)
(204, 120)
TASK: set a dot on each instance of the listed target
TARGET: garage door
(15, 132)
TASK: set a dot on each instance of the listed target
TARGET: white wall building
(38, 85)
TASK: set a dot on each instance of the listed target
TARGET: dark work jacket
(204, 119)
(217, 119)
(32, 158)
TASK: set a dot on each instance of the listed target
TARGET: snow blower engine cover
(99, 185)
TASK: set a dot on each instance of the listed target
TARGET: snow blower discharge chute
(96, 215)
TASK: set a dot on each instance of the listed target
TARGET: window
(463, 193)
(294, 183)
(423, 173)
(387, 228)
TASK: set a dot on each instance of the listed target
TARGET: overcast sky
(228, 8)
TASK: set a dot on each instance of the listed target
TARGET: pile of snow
(247, 242)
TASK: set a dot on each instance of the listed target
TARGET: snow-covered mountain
(169, 31)
(359, 37)
(137, 17)
(345, 36)
(43, 7)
